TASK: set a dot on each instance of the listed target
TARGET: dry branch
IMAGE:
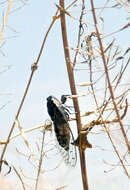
(111, 92)
(48, 127)
(107, 75)
(101, 122)
(20, 178)
(40, 160)
(33, 69)
(73, 91)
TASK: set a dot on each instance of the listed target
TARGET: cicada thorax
(60, 118)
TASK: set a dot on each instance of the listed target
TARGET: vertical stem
(73, 91)
(83, 169)
(40, 160)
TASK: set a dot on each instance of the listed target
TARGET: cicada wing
(62, 134)
(64, 143)
(72, 151)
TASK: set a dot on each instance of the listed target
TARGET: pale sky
(22, 40)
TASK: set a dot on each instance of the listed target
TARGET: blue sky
(21, 46)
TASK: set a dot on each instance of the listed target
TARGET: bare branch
(107, 75)
(73, 91)
(33, 68)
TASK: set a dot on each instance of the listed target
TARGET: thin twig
(111, 92)
(107, 109)
(115, 149)
(107, 75)
(100, 122)
(40, 160)
(19, 178)
(19, 109)
(79, 33)
(23, 136)
(5, 20)
(34, 67)
(43, 126)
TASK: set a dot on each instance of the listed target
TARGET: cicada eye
(49, 98)
(63, 99)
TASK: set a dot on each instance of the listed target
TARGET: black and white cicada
(60, 116)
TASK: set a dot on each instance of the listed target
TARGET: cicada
(60, 116)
